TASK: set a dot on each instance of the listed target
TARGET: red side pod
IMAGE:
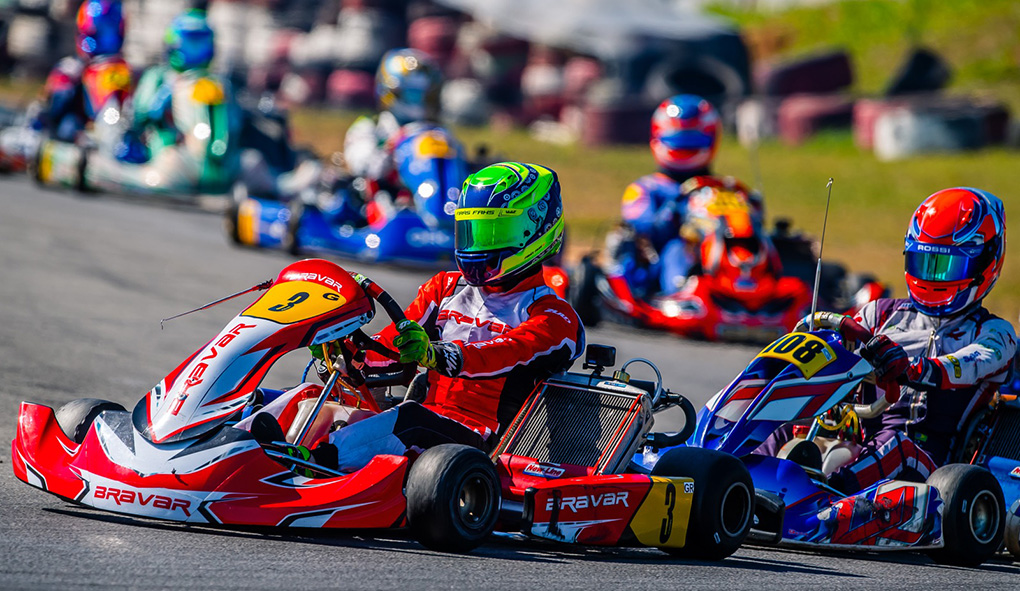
(372, 497)
(595, 510)
(42, 454)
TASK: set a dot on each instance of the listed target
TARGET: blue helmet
(100, 28)
(189, 41)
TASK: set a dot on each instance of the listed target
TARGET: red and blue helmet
(685, 132)
(100, 28)
(954, 250)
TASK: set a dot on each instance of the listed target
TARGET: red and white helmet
(954, 250)
(685, 132)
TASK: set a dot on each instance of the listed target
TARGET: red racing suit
(509, 342)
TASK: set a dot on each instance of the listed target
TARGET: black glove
(888, 358)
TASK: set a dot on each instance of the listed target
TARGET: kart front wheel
(723, 501)
(77, 416)
(973, 517)
(452, 498)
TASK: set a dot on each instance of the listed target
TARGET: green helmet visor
(491, 228)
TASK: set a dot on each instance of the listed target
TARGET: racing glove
(415, 347)
(888, 358)
(923, 374)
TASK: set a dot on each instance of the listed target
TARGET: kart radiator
(1005, 440)
(581, 425)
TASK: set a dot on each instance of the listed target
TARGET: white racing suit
(970, 355)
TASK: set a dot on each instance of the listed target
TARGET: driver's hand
(317, 351)
(820, 319)
(414, 347)
(888, 358)
(412, 343)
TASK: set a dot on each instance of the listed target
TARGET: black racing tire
(81, 184)
(76, 417)
(584, 293)
(453, 498)
(231, 223)
(973, 517)
(723, 504)
(290, 243)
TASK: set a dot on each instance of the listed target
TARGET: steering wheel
(396, 314)
(852, 331)
(846, 326)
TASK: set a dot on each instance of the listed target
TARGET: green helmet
(509, 219)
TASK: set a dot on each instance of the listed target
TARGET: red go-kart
(561, 471)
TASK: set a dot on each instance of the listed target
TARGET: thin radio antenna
(259, 287)
(818, 267)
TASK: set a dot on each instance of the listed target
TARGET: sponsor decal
(582, 502)
(418, 238)
(935, 248)
(957, 370)
(127, 496)
(493, 326)
(1015, 473)
(195, 377)
(315, 278)
(560, 314)
(543, 470)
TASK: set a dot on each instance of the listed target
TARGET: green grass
(978, 38)
(871, 200)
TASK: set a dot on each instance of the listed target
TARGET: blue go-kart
(417, 229)
(961, 514)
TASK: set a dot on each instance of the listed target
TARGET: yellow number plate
(295, 301)
(805, 351)
(662, 518)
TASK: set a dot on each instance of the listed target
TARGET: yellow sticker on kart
(662, 518)
(805, 351)
(294, 301)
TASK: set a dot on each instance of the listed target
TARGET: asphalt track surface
(83, 284)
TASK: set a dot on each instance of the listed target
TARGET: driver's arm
(551, 337)
(988, 358)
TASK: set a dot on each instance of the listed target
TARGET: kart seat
(823, 456)
(331, 414)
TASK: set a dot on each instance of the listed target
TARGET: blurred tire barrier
(351, 89)
(801, 116)
(820, 74)
(463, 102)
(949, 125)
(436, 36)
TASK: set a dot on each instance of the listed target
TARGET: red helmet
(954, 250)
(685, 131)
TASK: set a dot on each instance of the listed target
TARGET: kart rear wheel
(584, 293)
(77, 416)
(723, 501)
(231, 220)
(453, 498)
(973, 517)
